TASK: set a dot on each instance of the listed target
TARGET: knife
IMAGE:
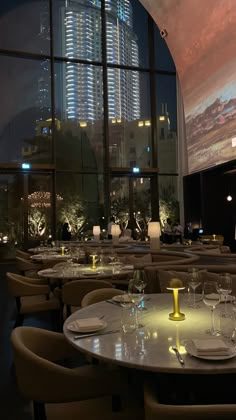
(77, 337)
(178, 355)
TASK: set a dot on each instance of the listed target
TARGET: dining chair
(59, 392)
(99, 295)
(74, 291)
(155, 410)
(27, 267)
(32, 296)
(22, 254)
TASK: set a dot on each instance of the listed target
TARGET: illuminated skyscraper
(83, 95)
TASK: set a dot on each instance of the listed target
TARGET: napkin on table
(211, 347)
(86, 324)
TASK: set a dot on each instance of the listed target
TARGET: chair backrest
(154, 410)
(99, 295)
(22, 254)
(23, 265)
(74, 291)
(36, 352)
(20, 286)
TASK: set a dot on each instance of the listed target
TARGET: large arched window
(89, 103)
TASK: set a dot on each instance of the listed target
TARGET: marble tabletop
(149, 347)
(75, 271)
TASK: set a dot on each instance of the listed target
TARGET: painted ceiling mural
(201, 36)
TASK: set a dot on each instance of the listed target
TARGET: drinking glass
(211, 298)
(140, 280)
(224, 285)
(135, 298)
(233, 336)
(194, 282)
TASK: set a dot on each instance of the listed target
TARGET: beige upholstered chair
(22, 254)
(27, 267)
(48, 383)
(154, 410)
(32, 296)
(74, 291)
(99, 295)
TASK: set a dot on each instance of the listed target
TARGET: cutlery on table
(113, 302)
(95, 334)
(178, 355)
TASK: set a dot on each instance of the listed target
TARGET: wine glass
(211, 298)
(140, 282)
(194, 282)
(224, 285)
(135, 298)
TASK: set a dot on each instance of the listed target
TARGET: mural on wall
(201, 36)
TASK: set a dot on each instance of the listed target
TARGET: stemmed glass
(224, 285)
(211, 298)
(140, 282)
(135, 298)
(194, 282)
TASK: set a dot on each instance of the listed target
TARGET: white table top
(149, 348)
(74, 271)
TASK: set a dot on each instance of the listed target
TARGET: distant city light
(26, 166)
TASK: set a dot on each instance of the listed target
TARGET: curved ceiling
(201, 37)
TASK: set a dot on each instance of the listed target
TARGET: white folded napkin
(48, 271)
(207, 347)
(122, 298)
(86, 324)
(128, 267)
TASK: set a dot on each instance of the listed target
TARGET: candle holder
(175, 286)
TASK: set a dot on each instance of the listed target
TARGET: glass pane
(82, 204)
(119, 197)
(129, 118)
(166, 123)
(127, 34)
(163, 57)
(25, 133)
(79, 111)
(11, 214)
(24, 25)
(39, 207)
(142, 206)
(77, 29)
(168, 199)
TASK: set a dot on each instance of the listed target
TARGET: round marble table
(72, 271)
(149, 348)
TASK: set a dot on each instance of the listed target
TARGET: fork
(178, 355)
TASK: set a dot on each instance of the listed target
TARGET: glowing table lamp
(175, 286)
(115, 232)
(96, 232)
(94, 258)
(154, 232)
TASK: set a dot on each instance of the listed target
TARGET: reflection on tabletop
(149, 346)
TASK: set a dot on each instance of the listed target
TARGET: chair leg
(57, 322)
(19, 320)
(39, 411)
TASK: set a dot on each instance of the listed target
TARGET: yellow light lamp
(176, 285)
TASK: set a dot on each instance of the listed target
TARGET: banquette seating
(159, 276)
